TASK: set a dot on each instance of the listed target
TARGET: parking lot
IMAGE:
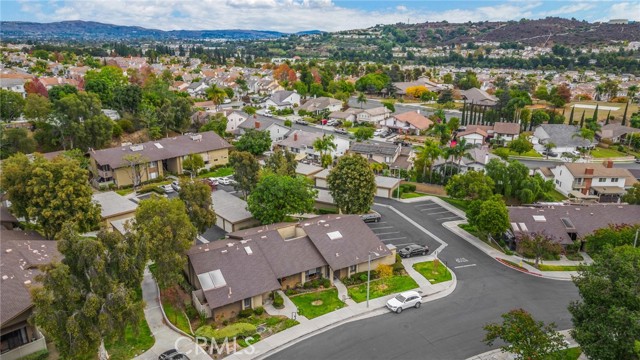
(435, 211)
(394, 229)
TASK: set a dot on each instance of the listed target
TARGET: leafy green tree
(250, 110)
(324, 146)
(254, 141)
(196, 196)
(165, 226)
(525, 337)
(471, 185)
(426, 155)
(276, 197)
(217, 124)
(541, 93)
(521, 145)
(14, 141)
(98, 132)
(539, 117)
(282, 162)
(611, 236)
(91, 295)
(502, 153)
(12, 105)
(59, 193)
(215, 94)
(37, 107)
(352, 184)
(492, 217)
(362, 99)
(389, 104)
(633, 195)
(537, 245)
(446, 96)
(372, 82)
(127, 98)
(14, 182)
(363, 133)
(606, 318)
(193, 163)
(508, 177)
(59, 91)
(246, 171)
(104, 82)
(70, 114)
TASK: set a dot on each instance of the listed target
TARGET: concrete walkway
(165, 337)
(343, 294)
(289, 310)
(498, 354)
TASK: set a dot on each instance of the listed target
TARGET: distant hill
(89, 30)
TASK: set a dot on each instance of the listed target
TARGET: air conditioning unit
(136, 147)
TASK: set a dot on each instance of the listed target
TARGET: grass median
(382, 287)
(311, 305)
(435, 273)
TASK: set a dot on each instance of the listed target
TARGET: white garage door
(382, 192)
(219, 221)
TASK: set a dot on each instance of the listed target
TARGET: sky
(299, 15)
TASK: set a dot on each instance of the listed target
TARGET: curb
(522, 270)
(166, 320)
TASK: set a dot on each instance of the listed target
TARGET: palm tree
(586, 134)
(428, 154)
(548, 147)
(441, 130)
(599, 91)
(362, 99)
(216, 94)
(632, 91)
(461, 150)
(324, 145)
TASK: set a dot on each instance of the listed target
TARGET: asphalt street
(449, 328)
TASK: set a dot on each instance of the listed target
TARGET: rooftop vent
(212, 280)
(8, 251)
(230, 244)
(136, 147)
(248, 250)
(196, 137)
(27, 282)
(334, 235)
(567, 223)
(158, 145)
(4, 277)
(539, 218)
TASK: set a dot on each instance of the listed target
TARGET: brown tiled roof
(599, 170)
(546, 171)
(22, 252)
(291, 256)
(473, 131)
(170, 148)
(351, 248)
(506, 128)
(414, 118)
(585, 219)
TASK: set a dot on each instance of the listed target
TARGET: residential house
(208, 106)
(7, 220)
(385, 186)
(241, 271)
(377, 152)
(615, 133)
(355, 115)
(502, 132)
(478, 97)
(231, 212)
(477, 160)
(402, 86)
(564, 137)
(234, 119)
(318, 105)
(22, 254)
(277, 132)
(307, 170)
(197, 89)
(283, 99)
(155, 158)
(113, 207)
(505, 132)
(301, 142)
(411, 122)
(602, 181)
(572, 222)
(15, 84)
(474, 134)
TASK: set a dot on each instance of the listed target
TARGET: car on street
(333, 122)
(379, 132)
(549, 154)
(172, 354)
(413, 250)
(405, 300)
(637, 160)
(340, 131)
(224, 181)
(301, 122)
(372, 216)
(175, 185)
(168, 189)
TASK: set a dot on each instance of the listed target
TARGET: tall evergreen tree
(624, 117)
(582, 120)
(464, 113)
(606, 122)
(571, 116)
(595, 113)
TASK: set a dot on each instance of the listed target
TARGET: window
(153, 175)
(602, 180)
(353, 268)
(247, 303)
(614, 179)
(153, 164)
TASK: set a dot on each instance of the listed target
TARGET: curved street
(449, 328)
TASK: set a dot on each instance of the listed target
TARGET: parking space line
(427, 204)
(450, 217)
(441, 212)
(382, 227)
(376, 223)
(387, 233)
(431, 209)
(398, 238)
(420, 227)
(463, 266)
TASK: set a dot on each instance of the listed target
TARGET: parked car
(301, 122)
(175, 185)
(224, 181)
(549, 153)
(637, 160)
(333, 122)
(172, 354)
(340, 131)
(405, 300)
(378, 132)
(413, 250)
(168, 189)
(372, 216)
(401, 142)
(212, 184)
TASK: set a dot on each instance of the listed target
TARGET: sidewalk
(166, 338)
(288, 310)
(497, 354)
(357, 311)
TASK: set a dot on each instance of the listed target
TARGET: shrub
(347, 124)
(308, 285)
(191, 311)
(326, 283)
(278, 301)
(39, 355)
(407, 188)
(620, 148)
(288, 123)
(258, 311)
(397, 267)
(290, 292)
(384, 271)
(126, 125)
(245, 313)
(239, 330)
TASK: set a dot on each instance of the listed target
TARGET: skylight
(248, 250)
(539, 218)
(334, 235)
(212, 280)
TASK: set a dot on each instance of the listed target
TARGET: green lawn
(460, 204)
(177, 317)
(221, 172)
(124, 192)
(434, 275)
(314, 304)
(382, 287)
(544, 267)
(567, 354)
(556, 195)
(133, 344)
(530, 153)
(606, 153)
(411, 195)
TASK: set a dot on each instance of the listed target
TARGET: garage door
(382, 192)
(228, 227)
(219, 221)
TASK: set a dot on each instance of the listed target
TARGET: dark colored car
(373, 216)
(413, 250)
(172, 354)
(549, 153)
(340, 131)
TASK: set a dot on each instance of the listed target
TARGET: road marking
(461, 260)
(464, 266)
(427, 204)
(420, 227)
(450, 217)
(394, 232)
(398, 238)
(376, 223)
(431, 209)
(436, 213)
(382, 227)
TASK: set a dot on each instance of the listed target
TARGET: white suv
(404, 300)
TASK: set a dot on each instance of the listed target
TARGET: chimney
(588, 171)
(295, 136)
(257, 124)
(608, 164)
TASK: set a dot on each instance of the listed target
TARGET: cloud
(569, 9)
(625, 10)
(401, 8)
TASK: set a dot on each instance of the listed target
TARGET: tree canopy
(471, 185)
(276, 197)
(352, 184)
(246, 171)
(254, 141)
(196, 196)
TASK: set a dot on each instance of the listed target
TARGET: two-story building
(323, 103)
(283, 99)
(152, 159)
(379, 152)
(601, 181)
(241, 271)
(257, 122)
(301, 142)
(355, 115)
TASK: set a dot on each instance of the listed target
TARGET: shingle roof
(506, 128)
(563, 135)
(374, 148)
(307, 169)
(479, 97)
(319, 103)
(112, 203)
(230, 207)
(599, 170)
(278, 97)
(414, 118)
(250, 122)
(615, 130)
(21, 252)
(585, 218)
(386, 182)
(169, 148)
(299, 139)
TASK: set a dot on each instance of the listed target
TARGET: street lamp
(369, 274)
